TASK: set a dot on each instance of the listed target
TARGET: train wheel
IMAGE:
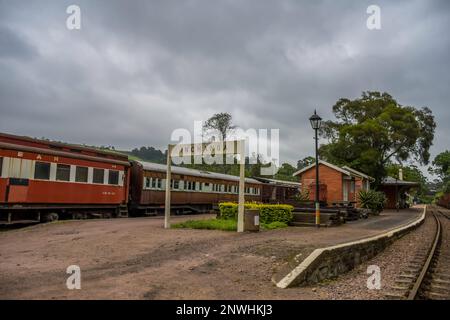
(49, 217)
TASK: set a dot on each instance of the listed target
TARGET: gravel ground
(138, 259)
(391, 261)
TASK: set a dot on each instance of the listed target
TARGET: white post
(168, 185)
(240, 222)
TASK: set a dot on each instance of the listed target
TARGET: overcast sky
(137, 70)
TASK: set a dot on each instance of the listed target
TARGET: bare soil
(137, 258)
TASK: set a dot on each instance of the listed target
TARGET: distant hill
(149, 154)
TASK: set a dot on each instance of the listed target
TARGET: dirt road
(138, 259)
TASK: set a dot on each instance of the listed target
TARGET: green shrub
(373, 200)
(268, 213)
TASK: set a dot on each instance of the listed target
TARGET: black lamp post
(316, 121)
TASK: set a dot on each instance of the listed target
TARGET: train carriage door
(19, 173)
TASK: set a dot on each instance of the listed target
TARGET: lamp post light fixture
(316, 122)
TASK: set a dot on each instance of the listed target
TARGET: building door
(345, 190)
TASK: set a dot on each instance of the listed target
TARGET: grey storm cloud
(137, 70)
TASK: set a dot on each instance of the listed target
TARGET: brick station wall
(327, 176)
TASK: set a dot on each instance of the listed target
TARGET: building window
(113, 177)
(352, 186)
(62, 172)
(42, 170)
(98, 176)
(81, 174)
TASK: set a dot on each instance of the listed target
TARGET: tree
(305, 162)
(441, 167)
(221, 122)
(285, 172)
(373, 130)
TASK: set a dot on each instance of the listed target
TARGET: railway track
(427, 275)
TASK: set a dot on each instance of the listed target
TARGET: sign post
(240, 222)
(237, 147)
(168, 188)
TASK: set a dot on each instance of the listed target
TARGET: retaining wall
(329, 262)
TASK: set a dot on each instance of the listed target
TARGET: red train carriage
(43, 180)
(192, 190)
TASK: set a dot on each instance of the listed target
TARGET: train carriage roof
(150, 166)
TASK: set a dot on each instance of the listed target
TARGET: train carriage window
(42, 170)
(153, 184)
(98, 176)
(175, 184)
(81, 174)
(159, 184)
(113, 177)
(200, 186)
(62, 172)
(147, 183)
(1, 166)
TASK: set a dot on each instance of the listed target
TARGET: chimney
(400, 174)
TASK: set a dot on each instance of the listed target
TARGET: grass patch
(223, 224)
(211, 224)
(274, 225)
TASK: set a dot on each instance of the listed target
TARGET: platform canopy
(390, 181)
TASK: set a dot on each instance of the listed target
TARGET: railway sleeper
(396, 295)
(405, 281)
(439, 288)
(442, 274)
(436, 296)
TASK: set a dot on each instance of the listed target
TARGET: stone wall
(328, 263)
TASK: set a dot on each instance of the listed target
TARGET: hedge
(268, 213)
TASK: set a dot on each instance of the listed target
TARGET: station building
(341, 185)
(396, 190)
(337, 185)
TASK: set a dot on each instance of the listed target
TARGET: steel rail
(415, 289)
